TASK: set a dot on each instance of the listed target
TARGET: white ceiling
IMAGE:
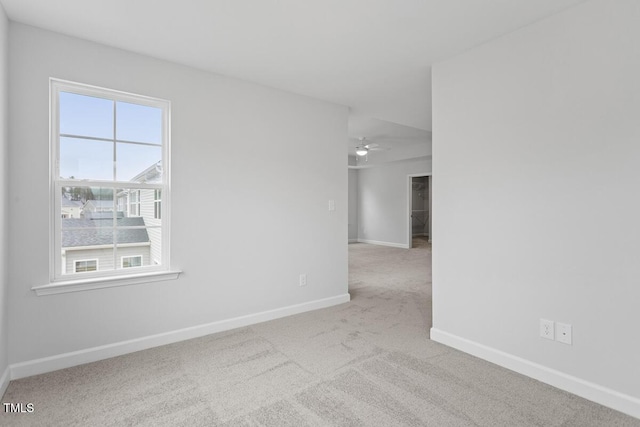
(392, 141)
(371, 55)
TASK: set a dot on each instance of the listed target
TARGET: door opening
(419, 210)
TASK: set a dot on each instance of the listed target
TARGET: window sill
(103, 282)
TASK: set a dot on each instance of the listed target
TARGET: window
(84, 265)
(157, 204)
(110, 154)
(134, 203)
(132, 261)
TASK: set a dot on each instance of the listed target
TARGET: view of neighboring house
(70, 208)
(146, 203)
(87, 243)
(88, 231)
(97, 206)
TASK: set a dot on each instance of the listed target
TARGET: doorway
(419, 210)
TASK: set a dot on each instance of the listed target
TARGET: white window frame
(59, 281)
(76, 261)
(131, 256)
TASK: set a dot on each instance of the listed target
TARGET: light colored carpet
(365, 363)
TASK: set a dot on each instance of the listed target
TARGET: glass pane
(86, 159)
(87, 203)
(132, 257)
(132, 236)
(86, 265)
(155, 250)
(137, 246)
(87, 229)
(72, 200)
(129, 203)
(138, 123)
(83, 115)
(138, 163)
(85, 260)
(131, 261)
(85, 233)
(157, 204)
(141, 208)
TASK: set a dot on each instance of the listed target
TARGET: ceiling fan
(363, 148)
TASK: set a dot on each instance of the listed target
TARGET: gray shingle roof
(71, 203)
(101, 215)
(95, 232)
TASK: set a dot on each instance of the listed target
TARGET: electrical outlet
(332, 205)
(303, 280)
(563, 333)
(546, 329)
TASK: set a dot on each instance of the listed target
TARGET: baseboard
(67, 360)
(4, 380)
(605, 396)
(353, 240)
(377, 242)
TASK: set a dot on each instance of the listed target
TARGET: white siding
(105, 256)
(155, 234)
(71, 212)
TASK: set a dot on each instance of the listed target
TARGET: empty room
(304, 212)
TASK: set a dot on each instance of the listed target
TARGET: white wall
(383, 201)
(353, 205)
(4, 199)
(537, 148)
(236, 161)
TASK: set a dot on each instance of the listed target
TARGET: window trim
(63, 287)
(115, 277)
(75, 265)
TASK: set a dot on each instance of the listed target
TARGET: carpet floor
(365, 363)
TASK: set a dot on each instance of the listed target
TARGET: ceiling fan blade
(374, 146)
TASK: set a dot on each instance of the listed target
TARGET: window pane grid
(124, 221)
(94, 138)
(86, 266)
(131, 261)
(108, 184)
(112, 227)
(116, 163)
